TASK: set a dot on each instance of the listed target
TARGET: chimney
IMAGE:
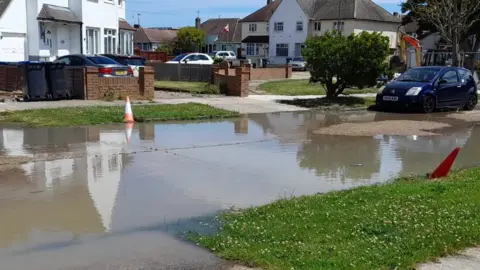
(198, 22)
(396, 14)
(136, 26)
(268, 2)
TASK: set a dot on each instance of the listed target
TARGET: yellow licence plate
(121, 73)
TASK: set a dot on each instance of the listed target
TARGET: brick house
(149, 39)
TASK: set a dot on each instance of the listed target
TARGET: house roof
(3, 6)
(123, 24)
(57, 13)
(215, 27)
(349, 9)
(256, 39)
(263, 14)
(147, 35)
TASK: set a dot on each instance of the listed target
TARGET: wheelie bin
(35, 82)
(56, 81)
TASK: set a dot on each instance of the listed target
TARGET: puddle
(93, 200)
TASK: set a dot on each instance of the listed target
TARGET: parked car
(133, 61)
(192, 58)
(430, 88)
(298, 63)
(106, 66)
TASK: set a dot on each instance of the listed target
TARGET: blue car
(430, 88)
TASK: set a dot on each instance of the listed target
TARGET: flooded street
(90, 200)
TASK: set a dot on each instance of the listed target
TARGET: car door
(467, 84)
(191, 59)
(447, 88)
(203, 59)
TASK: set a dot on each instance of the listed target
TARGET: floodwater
(94, 201)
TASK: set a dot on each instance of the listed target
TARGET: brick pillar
(288, 71)
(92, 82)
(215, 69)
(239, 86)
(146, 82)
(248, 67)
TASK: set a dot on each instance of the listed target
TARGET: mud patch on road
(395, 127)
(473, 116)
(8, 163)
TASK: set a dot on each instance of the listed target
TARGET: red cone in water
(444, 168)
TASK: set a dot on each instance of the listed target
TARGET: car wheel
(471, 102)
(428, 105)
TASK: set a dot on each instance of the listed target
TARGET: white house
(295, 20)
(255, 35)
(47, 29)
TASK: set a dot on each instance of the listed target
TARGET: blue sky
(178, 13)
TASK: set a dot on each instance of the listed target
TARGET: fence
(181, 72)
(11, 78)
(156, 56)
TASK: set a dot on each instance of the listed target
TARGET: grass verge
(330, 103)
(303, 87)
(392, 226)
(81, 116)
(187, 87)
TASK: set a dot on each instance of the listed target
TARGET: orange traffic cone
(444, 168)
(128, 131)
(128, 112)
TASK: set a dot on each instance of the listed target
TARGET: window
(93, 41)
(203, 57)
(125, 39)
(63, 60)
(282, 49)
(120, 3)
(252, 27)
(76, 61)
(232, 54)
(317, 26)
(465, 75)
(450, 76)
(102, 60)
(338, 26)
(299, 26)
(278, 27)
(267, 26)
(110, 41)
(250, 49)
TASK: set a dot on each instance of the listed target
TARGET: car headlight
(414, 91)
(381, 89)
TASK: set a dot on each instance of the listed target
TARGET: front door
(63, 40)
(447, 88)
(298, 49)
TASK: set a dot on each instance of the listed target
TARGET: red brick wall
(11, 78)
(271, 73)
(236, 85)
(119, 88)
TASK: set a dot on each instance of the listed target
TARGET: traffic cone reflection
(128, 112)
(128, 131)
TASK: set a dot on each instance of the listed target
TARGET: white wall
(261, 29)
(99, 14)
(288, 12)
(14, 19)
(387, 29)
(13, 35)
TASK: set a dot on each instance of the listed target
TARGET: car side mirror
(440, 82)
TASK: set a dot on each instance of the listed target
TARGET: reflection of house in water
(74, 193)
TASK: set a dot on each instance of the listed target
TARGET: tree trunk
(455, 49)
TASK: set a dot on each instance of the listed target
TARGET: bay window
(110, 41)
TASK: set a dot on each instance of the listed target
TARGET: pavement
(468, 259)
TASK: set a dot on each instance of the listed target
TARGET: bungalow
(149, 39)
(223, 34)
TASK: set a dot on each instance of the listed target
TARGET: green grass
(389, 226)
(325, 103)
(81, 116)
(303, 87)
(187, 87)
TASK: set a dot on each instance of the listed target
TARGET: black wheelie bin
(35, 81)
(56, 81)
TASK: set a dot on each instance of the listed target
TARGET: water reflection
(89, 181)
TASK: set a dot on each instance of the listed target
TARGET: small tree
(190, 39)
(337, 61)
(166, 48)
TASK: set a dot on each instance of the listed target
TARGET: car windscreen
(179, 57)
(418, 75)
(298, 59)
(131, 61)
(100, 60)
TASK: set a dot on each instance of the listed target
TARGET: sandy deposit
(394, 127)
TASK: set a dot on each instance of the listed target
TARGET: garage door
(12, 48)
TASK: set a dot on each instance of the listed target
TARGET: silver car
(298, 63)
(106, 66)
